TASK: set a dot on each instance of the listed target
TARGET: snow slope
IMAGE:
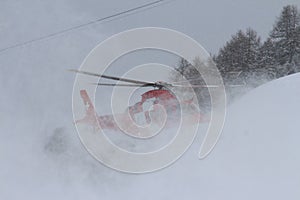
(257, 156)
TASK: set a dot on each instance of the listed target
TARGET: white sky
(209, 22)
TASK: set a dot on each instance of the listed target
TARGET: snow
(257, 156)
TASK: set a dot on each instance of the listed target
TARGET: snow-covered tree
(267, 60)
(240, 54)
(190, 72)
(267, 53)
(285, 36)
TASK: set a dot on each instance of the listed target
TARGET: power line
(110, 18)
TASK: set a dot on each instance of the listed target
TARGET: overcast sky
(209, 22)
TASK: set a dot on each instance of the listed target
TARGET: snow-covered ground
(257, 156)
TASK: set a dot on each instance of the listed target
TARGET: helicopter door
(141, 118)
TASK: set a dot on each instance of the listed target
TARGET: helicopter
(147, 110)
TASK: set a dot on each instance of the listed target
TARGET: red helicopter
(147, 110)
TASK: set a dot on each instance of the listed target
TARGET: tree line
(277, 56)
(245, 59)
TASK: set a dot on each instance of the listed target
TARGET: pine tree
(190, 72)
(267, 53)
(267, 62)
(252, 47)
(240, 54)
(285, 35)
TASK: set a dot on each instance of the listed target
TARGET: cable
(125, 13)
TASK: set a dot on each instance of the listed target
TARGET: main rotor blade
(199, 86)
(196, 86)
(111, 77)
(186, 81)
(206, 86)
(124, 85)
